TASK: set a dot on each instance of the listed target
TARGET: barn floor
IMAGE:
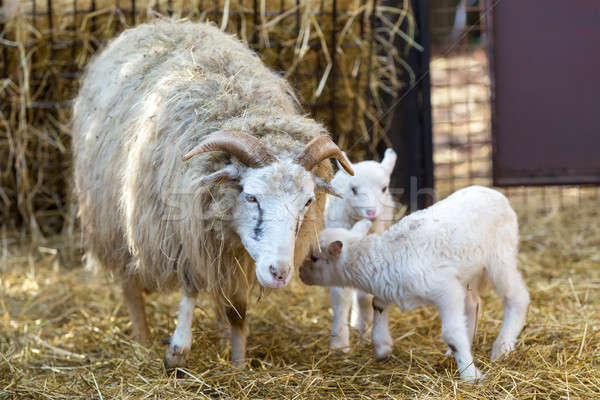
(65, 334)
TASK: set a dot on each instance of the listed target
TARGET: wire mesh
(461, 113)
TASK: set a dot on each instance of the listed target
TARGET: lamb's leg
(472, 306)
(340, 333)
(134, 299)
(451, 306)
(181, 342)
(510, 287)
(362, 312)
(382, 340)
(236, 315)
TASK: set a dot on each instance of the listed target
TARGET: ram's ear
(227, 174)
(389, 161)
(362, 227)
(335, 249)
(322, 186)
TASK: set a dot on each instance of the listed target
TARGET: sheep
(441, 255)
(366, 195)
(244, 208)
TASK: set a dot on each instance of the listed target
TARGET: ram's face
(275, 195)
(269, 212)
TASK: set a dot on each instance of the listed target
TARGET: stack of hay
(341, 55)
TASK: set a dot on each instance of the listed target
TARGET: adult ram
(247, 203)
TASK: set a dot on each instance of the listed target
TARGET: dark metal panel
(410, 130)
(546, 92)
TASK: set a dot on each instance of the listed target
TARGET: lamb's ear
(227, 174)
(335, 249)
(389, 160)
(340, 165)
(362, 227)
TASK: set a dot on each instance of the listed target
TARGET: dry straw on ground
(342, 66)
(65, 334)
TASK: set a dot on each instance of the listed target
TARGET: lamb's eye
(250, 199)
(308, 202)
(384, 189)
(354, 190)
(313, 258)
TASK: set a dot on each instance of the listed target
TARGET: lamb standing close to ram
(442, 255)
(247, 203)
(366, 196)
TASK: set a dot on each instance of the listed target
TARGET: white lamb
(439, 256)
(366, 195)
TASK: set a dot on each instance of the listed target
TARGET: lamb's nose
(371, 214)
(279, 274)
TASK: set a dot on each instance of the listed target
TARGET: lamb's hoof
(472, 375)
(501, 349)
(383, 353)
(175, 357)
(340, 343)
(341, 349)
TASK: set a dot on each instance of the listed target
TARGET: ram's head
(274, 197)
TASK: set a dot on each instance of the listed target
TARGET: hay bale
(340, 55)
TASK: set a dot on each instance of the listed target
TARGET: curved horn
(247, 148)
(320, 148)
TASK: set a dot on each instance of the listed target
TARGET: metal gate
(545, 63)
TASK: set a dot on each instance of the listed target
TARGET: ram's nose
(280, 273)
(371, 214)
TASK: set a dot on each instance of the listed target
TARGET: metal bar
(133, 12)
(183, 11)
(4, 47)
(333, 69)
(372, 26)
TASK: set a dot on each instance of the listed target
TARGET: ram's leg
(341, 299)
(181, 342)
(134, 300)
(235, 311)
(451, 307)
(362, 312)
(382, 340)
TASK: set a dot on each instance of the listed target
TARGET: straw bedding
(65, 334)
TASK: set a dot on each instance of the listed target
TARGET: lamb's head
(367, 192)
(325, 266)
(275, 194)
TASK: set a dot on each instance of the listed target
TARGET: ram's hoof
(175, 357)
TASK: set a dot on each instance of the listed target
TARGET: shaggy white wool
(146, 100)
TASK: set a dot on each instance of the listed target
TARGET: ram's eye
(354, 190)
(384, 189)
(313, 258)
(308, 202)
(250, 199)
